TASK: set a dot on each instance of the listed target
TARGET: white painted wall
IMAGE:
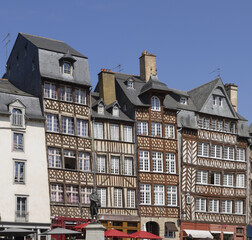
(36, 175)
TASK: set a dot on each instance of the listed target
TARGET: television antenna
(217, 70)
(119, 67)
(6, 41)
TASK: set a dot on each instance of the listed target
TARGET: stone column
(95, 231)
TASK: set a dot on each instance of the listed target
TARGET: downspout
(248, 183)
(93, 149)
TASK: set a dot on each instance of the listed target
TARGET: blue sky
(191, 38)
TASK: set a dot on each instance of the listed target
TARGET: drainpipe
(248, 183)
(93, 149)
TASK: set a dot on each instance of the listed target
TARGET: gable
(16, 104)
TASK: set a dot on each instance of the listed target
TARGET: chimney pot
(231, 90)
(148, 65)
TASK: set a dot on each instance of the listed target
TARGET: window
(72, 194)
(228, 153)
(117, 197)
(214, 100)
(21, 208)
(114, 165)
(155, 104)
(226, 206)
(82, 128)
(170, 163)
(17, 117)
(127, 133)
(66, 94)
(98, 130)
(214, 124)
(239, 207)
(217, 100)
(50, 91)
(67, 68)
(142, 128)
(157, 160)
(226, 126)
(54, 157)
(216, 151)
(219, 125)
(57, 193)
(114, 132)
(156, 129)
(202, 177)
(172, 195)
(232, 127)
(131, 196)
(100, 109)
(115, 111)
(170, 233)
(80, 96)
(200, 204)
(169, 131)
(158, 194)
(69, 159)
(67, 125)
(215, 178)
(203, 149)
(102, 196)
(183, 100)
(214, 205)
(128, 169)
(240, 154)
(144, 161)
(52, 123)
(206, 123)
(84, 161)
(18, 141)
(19, 172)
(101, 164)
(85, 192)
(130, 84)
(228, 180)
(240, 180)
(220, 101)
(145, 194)
(200, 122)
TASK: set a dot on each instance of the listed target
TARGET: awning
(171, 226)
(16, 232)
(228, 233)
(215, 231)
(249, 231)
(199, 234)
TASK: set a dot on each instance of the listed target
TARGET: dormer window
(17, 117)
(183, 100)
(155, 104)
(67, 68)
(100, 109)
(217, 100)
(130, 84)
(115, 111)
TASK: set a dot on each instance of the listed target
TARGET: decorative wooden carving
(156, 116)
(118, 211)
(69, 142)
(170, 145)
(170, 117)
(51, 104)
(217, 136)
(71, 177)
(56, 175)
(189, 151)
(82, 110)
(67, 107)
(157, 143)
(142, 114)
(159, 211)
(118, 181)
(115, 147)
(143, 142)
(53, 139)
(84, 144)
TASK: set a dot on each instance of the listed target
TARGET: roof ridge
(41, 37)
(203, 85)
(128, 74)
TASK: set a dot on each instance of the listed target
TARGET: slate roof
(9, 93)
(51, 45)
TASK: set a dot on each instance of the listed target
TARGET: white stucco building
(24, 201)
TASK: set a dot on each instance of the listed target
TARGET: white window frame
(238, 207)
(19, 172)
(130, 84)
(169, 131)
(172, 195)
(18, 144)
(159, 195)
(142, 128)
(157, 161)
(228, 180)
(72, 194)
(200, 205)
(216, 178)
(155, 104)
(131, 198)
(240, 180)
(118, 198)
(229, 153)
(156, 129)
(67, 124)
(54, 157)
(115, 111)
(144, 161)
(84, 161)
(114, 132)
(84, 194)
(101, 163)
(68, 70)
(226, 206)
(202, 177)
(57, 192)
(21, 208)
(17, 117)
(170, 163)
(216, 151)
(82, 128)
(128, 166)
(127, 133)
(203, 149)
(66, 94)
(183, 100)
(102, 194)
(50, 90)
(100, 109)
(115, 165)
(214, 205)
(80, 96)
(220, 125)
(145, 194)
(52, 122)
(98, 130)
(240, 154)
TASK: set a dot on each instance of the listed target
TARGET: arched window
(17, 117)
(155, 103)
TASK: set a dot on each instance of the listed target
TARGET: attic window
(155, 104)
(100, 109)
(130, 84)
(17, 117)
(183, 100)
(115, 111)
(67, 68)
(217, 100)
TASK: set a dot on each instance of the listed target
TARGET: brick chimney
(231, 90)
(148, 65)
(107, 86)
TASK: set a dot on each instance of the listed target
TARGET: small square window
(67, 68)
(183, 100)
(18, 141)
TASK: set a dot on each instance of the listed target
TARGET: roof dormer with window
(67, 64)
(17, 117)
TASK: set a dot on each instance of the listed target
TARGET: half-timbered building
(59, 76)
(213, 146)
(115, 161)
(143, 98)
